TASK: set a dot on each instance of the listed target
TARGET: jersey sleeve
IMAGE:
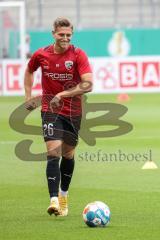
(83, 64)
(34, 63)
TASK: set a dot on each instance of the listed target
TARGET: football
(96, 214)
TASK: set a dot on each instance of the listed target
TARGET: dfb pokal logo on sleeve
(68, 65)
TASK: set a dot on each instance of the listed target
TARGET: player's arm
(28, 83)
(85, 72)
(81, 88)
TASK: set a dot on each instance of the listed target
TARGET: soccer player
(66, 75)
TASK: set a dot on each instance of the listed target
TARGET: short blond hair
(62, 22)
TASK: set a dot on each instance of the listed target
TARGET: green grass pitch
(132, 194)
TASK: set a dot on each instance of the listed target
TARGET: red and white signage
(13, 79)
(111, 75)
(131, 74)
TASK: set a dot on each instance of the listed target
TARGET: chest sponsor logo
(68, 65)
(59, 76)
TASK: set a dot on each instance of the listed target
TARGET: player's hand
(31, 105)
(55, 102)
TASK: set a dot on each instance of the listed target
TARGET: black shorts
(59, 127)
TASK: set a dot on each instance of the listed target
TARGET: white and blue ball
(96, 214)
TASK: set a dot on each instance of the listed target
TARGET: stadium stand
(93, 13)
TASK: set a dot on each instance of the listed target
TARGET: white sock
(54, 199)
(63, 193)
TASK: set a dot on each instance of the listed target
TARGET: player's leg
(52, 126)
(53, 174)
(71, 128)
(67, 166)
(66, 169)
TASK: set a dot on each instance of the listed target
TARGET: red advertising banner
(128, 75)
(131, 74)
(110, 75)
(13, 79)
(150, 74)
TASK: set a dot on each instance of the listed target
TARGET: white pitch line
(8, 142)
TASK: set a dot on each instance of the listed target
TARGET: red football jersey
(60, 72)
